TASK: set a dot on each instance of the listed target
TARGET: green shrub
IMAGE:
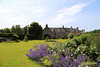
(98, 57)
(70, 35)
(47, 38)
(46, 35)
(15, 37)
(93, 54)
(71, 44)
(97, 41)
(62, 37)
(25, 38)
(77, 40)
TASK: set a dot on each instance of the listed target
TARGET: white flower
(78, 49)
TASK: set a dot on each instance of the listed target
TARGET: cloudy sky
(84, 14)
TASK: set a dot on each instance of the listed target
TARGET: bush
(97, 41)
(70, 35)
(38, 52)
(15, 37)
(71, 43)
(43, 53)
(25, 38)
(46, 35)
(77, 40)
(47, 38)
(62, 37)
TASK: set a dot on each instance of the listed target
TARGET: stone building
(59, 32)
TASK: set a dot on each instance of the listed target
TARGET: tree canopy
(17, 29)
(7, 30)
(35, 29)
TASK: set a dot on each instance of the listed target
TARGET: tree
(17, 29)
(2, 31)
(7, 30)
(36, 30)
(13, 29)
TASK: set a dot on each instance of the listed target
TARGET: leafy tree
(36, 30)
(13, 29)
(25, 30)
(17, 29)
(2, 31)
(7, 30)
(70, 35)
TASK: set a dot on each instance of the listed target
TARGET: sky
(84, 14)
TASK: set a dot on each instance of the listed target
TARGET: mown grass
(13, 54)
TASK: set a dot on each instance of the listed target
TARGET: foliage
(36, 30)
(17, 29)
(6, 35)
(25, 38)
(2, 31)
(15, 37)
(97, 41)
(62, 37)
(6, 30)
(47, 38)
(70, 35)
(13, 29)
(43, 53)
(94, 31)
(46, 35)
(37, 52)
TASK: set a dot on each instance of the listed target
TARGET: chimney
(46, 25)
(77, 28)
(63, 26)
(71, 27)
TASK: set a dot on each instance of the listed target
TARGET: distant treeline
(32, 31)
(94, 31)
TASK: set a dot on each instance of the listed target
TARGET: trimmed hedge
(6, 35)
(21, 37)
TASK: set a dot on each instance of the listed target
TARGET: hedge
(21, 37)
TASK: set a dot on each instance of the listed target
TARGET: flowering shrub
(43, 53)
(69, 54)
(37, 52)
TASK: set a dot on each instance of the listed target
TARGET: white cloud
(67, 15)
(4, 10)
(12, 19)
(73, 10)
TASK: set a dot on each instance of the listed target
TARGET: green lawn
(13, 54)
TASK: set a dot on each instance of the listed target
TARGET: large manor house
(61, 31)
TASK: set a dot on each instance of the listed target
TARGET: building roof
(63, 29)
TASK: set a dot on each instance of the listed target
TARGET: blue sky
(84, 14)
